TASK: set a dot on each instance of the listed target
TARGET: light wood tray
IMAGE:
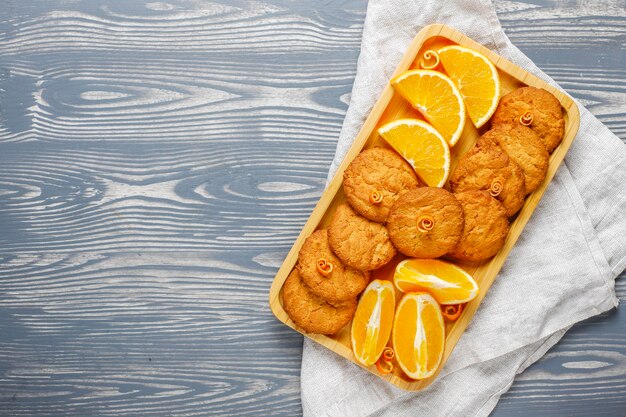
(391, 106)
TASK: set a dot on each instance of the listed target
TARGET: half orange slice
(372, 322)
(418, 335)
(448, 283)
(476, 78)
(422, 146)
(435, 96)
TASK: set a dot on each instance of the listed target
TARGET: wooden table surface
(157, 160)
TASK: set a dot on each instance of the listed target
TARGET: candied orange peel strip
(425, 224)
(452, 312)
(324, 267)
(496, 188)
(384, 364)
(430, 60)
(526, 119)
(376, 197)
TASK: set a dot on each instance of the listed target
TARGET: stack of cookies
(507, 163)
(334, 264)
(388, 212)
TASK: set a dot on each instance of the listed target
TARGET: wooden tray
(391, 106)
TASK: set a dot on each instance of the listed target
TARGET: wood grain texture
(132, 334)
(157, 161)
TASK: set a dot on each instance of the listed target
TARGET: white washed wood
(157, 160)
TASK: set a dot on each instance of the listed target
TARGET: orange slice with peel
(418, 335)
(372, 322)
(422, 146)
(448, 283)
(435, 96)
(476, 78)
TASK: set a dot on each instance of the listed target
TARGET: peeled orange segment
(448, 283)
(418, 335)
(436, 97)
(476, 78)
(373, 320)
(422, 146)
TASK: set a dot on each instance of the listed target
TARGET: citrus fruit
(373, 320)
(448, 283)
(437, 98)
(418, 335)
(422, 146)
(476, 78)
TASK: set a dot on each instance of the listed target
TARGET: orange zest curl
(526, 119)
(452, 312)
(376, 197)
(324, 267)
(384, 367)
(496, 188)
(432, 57)
(384, 364)
(425, 224)
(388, 354)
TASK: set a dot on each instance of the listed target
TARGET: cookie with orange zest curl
(374, 180)
(324, 273)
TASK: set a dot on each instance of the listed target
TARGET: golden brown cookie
(524, 147)
(486, 226)
(535, 108)
(359, 242)
(426, 222)
(323, 272)
(374, 180)
(490, 168)
(312, 313)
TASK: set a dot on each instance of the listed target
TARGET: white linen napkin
(561, 270)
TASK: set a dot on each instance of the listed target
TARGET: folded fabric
(561, 270)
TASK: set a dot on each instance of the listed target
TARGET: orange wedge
(422, 146)
(373, 320)
(448, 283)
(476, 78)
(436, 97)
(418, 335)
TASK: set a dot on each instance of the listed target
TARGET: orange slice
(418, 335)
(373, 320)
(476, 78)
(422, 146)
(448, 283)
(436, 97)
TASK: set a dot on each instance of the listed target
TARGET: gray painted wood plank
(137, 335)
(158, 159)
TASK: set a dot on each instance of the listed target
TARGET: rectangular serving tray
(391, 106)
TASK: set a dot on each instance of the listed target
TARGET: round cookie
(311, 312)
(524, 147)
(359, 242)
(377, 170)
(426, 222)
(486, 226)
(489, 168)
(547, 116)
(339, 284)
